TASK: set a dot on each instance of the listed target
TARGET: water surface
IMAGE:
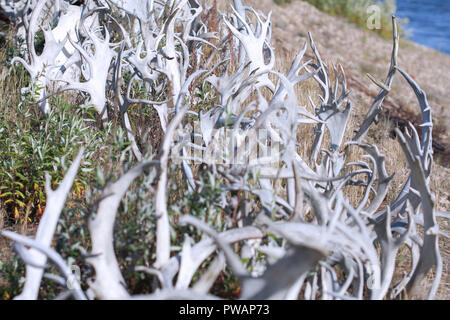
(429, 21)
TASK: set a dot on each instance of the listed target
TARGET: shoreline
(427, 22)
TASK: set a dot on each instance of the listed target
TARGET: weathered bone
(46, 229)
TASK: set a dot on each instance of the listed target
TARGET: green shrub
(282, 2)
(355, 11)
(11, 273)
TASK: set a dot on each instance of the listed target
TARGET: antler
(39, 66)
(254, 43)
(314, 241)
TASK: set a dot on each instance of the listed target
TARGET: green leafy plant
(282, 2)
(46, 143)
(11, 273)
(355, 11)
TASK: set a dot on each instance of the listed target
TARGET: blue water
(429, 21)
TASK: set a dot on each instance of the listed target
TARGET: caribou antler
(303, 235)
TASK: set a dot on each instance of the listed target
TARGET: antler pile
(326, 247)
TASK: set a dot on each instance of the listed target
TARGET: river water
(429, 22)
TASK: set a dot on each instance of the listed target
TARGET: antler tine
(430, 255)
(372, 114)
